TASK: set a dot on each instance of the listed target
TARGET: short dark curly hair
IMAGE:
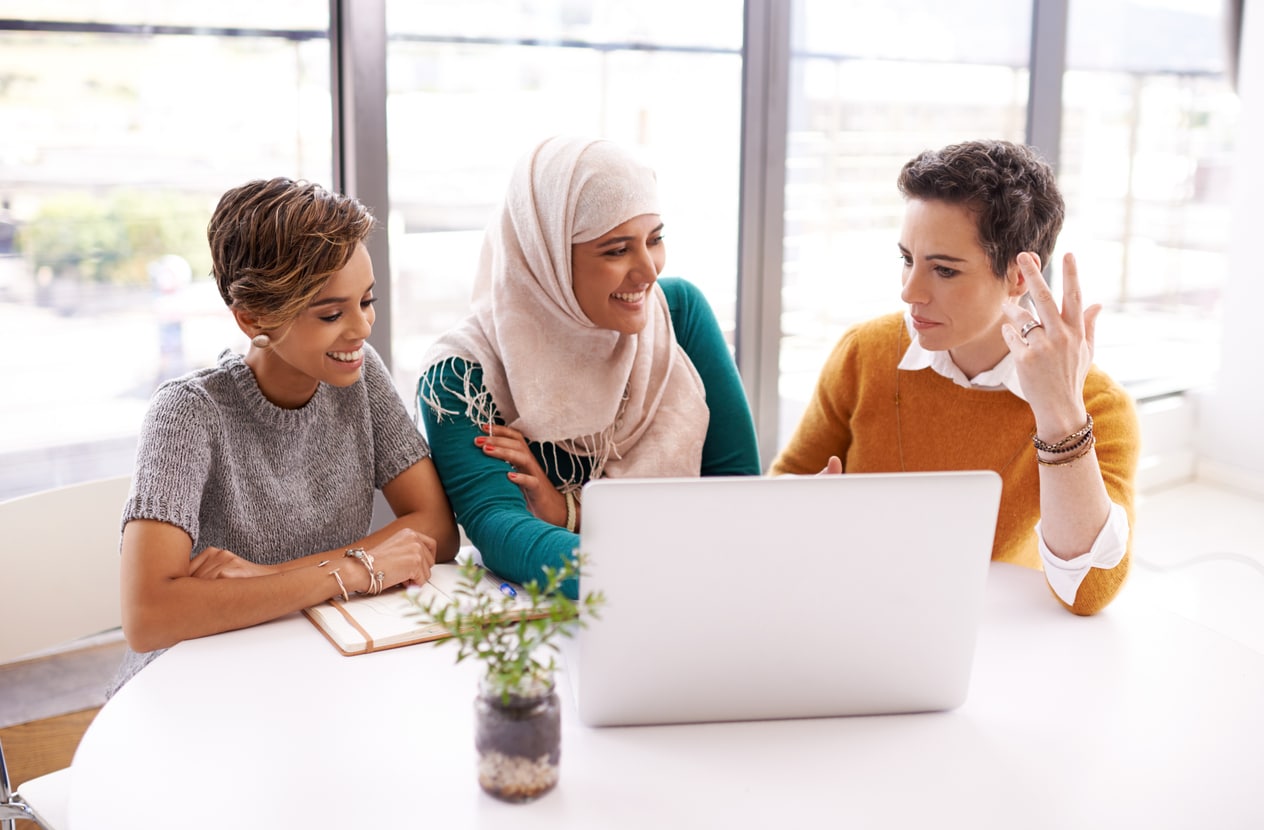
(1011, 190)
(276, 242)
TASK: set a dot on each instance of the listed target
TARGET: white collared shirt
(1003, 375)
(1064, 575)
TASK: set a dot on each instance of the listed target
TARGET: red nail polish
(480, 441)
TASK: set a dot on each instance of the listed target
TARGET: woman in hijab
(577, 362)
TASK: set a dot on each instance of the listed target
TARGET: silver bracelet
(376, 577)
(342, 588)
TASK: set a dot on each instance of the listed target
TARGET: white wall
(1231, 415)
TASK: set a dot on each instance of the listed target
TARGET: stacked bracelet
(1075, 441)
(377, 579)
(1085, 445)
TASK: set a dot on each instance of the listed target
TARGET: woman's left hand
(543, 499)
(1053, 357)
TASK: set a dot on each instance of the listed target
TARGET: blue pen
(508, 590)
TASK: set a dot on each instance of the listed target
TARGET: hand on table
(405, 557)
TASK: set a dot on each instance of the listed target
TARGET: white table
(1134, 718)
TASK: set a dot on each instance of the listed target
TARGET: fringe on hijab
(480, 409)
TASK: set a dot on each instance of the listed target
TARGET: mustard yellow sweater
(877, 418)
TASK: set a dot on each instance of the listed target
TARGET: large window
(122, 124)
(472, 85)
(1147, 141)
(1147, 120)
(118, 139)
(874, 82)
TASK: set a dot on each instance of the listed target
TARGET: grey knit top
(234, 471)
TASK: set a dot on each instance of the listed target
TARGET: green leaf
(515, 647)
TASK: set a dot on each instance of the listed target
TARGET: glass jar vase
(518, 736)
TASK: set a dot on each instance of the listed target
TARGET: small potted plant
(514, 632)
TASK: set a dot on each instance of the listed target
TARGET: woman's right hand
(544, 500)
(405, 557)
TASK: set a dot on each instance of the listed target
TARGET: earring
(261, 341)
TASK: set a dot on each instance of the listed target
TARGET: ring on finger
(1028, 327)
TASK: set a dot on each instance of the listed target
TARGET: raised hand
(1052, 348)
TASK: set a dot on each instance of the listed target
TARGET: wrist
(368, 578)
(1067, 449)
(1053, 427)
(334, 573)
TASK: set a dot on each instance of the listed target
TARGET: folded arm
(168, 595)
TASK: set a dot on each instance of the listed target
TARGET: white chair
(59, 556)
(14, 806)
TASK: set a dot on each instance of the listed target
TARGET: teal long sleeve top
(513, 542)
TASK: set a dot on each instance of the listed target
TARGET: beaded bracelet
(1079, 444)
(1071, 442)
(1088, 445)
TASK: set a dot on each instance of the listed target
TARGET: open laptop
(756, 598)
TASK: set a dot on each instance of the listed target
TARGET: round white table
(1134, 718)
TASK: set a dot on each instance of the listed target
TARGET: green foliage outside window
(114, 240)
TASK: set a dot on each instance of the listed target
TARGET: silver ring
(1027, 327)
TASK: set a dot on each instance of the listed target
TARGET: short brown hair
(275, 243)
(1011, 190)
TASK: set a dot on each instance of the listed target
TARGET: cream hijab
(633, 403)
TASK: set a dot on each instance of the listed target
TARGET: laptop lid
(751, 598)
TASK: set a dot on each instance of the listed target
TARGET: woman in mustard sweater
(984, 370)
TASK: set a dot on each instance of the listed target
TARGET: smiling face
(953, 295)
(325, 343)
(613, 273)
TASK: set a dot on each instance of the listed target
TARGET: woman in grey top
(253, 490)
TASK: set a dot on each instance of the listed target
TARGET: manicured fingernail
(488, 447)
(512, 476)
(480, 441)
